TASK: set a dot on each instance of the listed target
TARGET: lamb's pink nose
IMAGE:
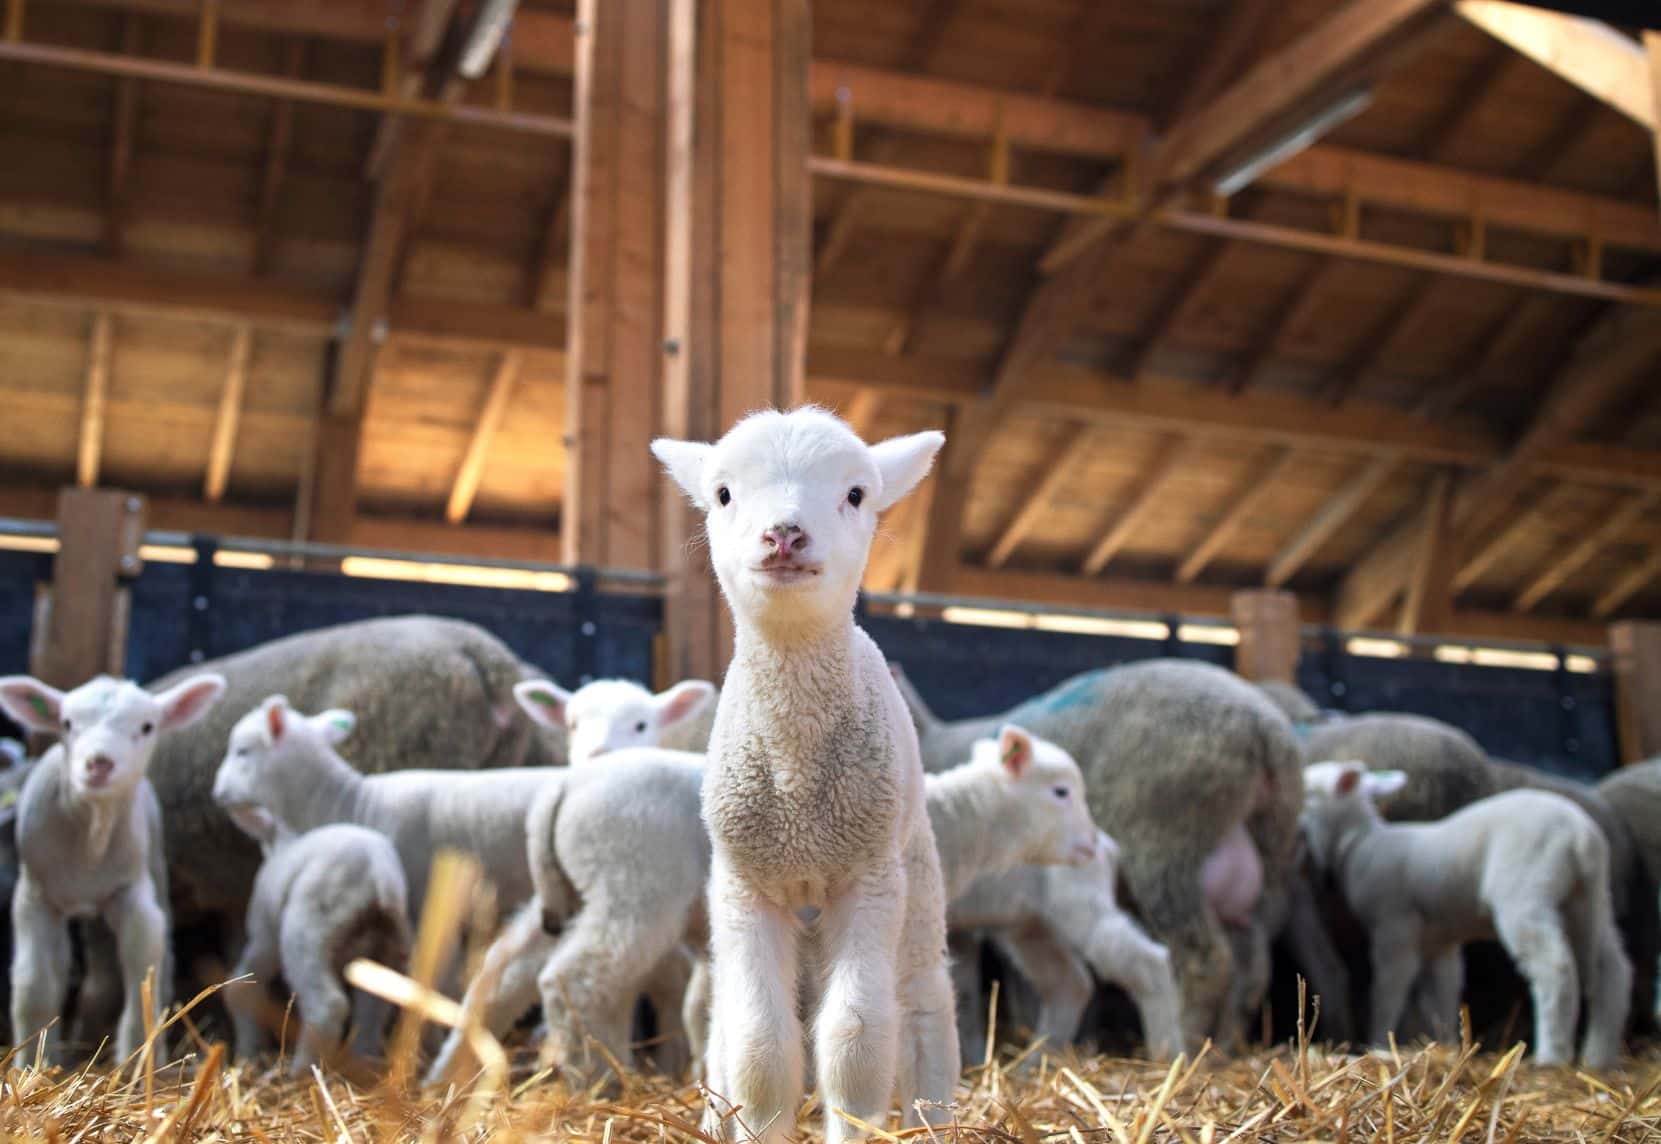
(785, 538)
(100, 767)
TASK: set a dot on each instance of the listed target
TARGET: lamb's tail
(556, 895)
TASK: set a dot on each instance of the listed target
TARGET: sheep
(286, 763)
(1057, 924)
(1220, 857)
(612, 714)
(321, 900)
(1633, 793)
(89, 839)
(17, 766)
(428, 692)
(1528, 867)
(814, 797)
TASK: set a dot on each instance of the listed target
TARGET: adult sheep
(1198, 777)
(428, 693)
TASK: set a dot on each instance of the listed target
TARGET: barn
(1317, 340)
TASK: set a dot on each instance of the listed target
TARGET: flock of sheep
(810, 850)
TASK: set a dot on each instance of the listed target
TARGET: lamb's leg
(928, 1064)
(1533, 935)
(856, 1033)
(514, 960)
(140, 927)
(1605, 977)
(1062, 980)
(260, 962)
(1249, 946)
(1318, 958)
(666, 990)
(1445, 985)
(98, 1000)
(319, 996)
(1177, 914)
(41, 957)
(968, 987)
(755, 1040)
(695, 1016)
(1396, 964)
(1123, 955)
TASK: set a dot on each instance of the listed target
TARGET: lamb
(1057, 924)
(1217, 859)
(612, 714)
(814, 797)
(428, 693)
(1528, 867)
(287, 764)
(321, 900)
(89, 839)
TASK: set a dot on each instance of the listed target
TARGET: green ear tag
(40, 706)
(8, 799)
(341, 724)
(543, 699)
(1013, 753)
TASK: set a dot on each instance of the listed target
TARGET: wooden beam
(1066, 454)
(1589, 54)
(1429, 599)
(1502, 541)
(937, 535)
(1635, 662)
(1271, 637)
(1459, 111)
(123, 141)
(278, 142)
(85, 628)
(1610, 526)
(1601, 463)
(1332, 516)
(223, 446)
(496, 400)
(1313, 285)
(861, 412)
(553, 245)
(95, 393)
(1261, 482)
(1168, 458)
(1195, 280)
(1375, 347)
(1628, 585)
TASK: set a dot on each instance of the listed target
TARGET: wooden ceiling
(1165, 395)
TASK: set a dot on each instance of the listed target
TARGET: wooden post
(1270, 639)
(85, 623)
(738, 235)
(1635, 651)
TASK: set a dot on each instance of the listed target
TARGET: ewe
(1528, 867)
(814, 797)
(89, 836)
(321, 900)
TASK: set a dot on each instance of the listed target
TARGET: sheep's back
(1446, 769)
(427, 692)
(632, 832)
(1634, 794)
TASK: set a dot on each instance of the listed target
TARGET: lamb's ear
(903, 462)
(276, 719)
(682, 701)
(1349, 779)
(1383, 783)
(684, 461)
(1014, 750)
(543, 700)
(335, 725)
(32, 705)
(184, 703)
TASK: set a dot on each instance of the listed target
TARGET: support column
(614, 360)
(1271, 641)
(739, 229)
(1635, 649)
(83, 632)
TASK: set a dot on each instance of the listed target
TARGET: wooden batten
(95, 397)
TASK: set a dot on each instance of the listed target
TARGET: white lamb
(320, 900)
(814, 797)
(89, 837)
(1528, 867)
(611, 714)
(286, 763)
(1057, 924)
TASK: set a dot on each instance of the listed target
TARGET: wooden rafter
(1629, 585)
(1168, 458)
(223, 447)
(1306, 293)
(1258, 485)
(1331, 516)
(466, 483)
(94, 397)
(1498, 545)
(278, 141)
(1065, 456)
(1591, 55)
(1466, 102)
(861, 412)
(553, 244)
(1195, 280)
(1626, 513)
(123, 141)
(1429, 599)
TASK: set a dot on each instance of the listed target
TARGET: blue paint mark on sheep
(1076, 692)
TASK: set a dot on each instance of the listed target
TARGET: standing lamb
(613, 714)
(814, 797)
(1214, 860)
(1528, 867)
(321, 900)
(286, 763)
(89, 838)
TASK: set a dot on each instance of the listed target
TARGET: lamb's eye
(1059, 792)
(640, 728)
(146, 729)
(66, 725)
(855, 496)
(722, 495)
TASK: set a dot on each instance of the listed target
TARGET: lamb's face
(108, 727)
(611, 714)
(1048, 787)
(1336, 795)
(791, 503)
(262, 744)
